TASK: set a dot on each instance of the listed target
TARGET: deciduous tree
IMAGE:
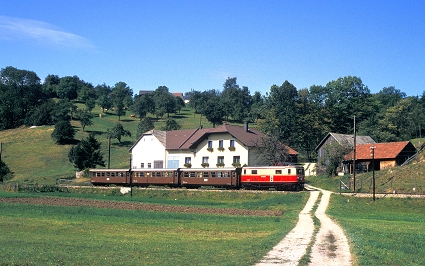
(63, 133)
(86, 154)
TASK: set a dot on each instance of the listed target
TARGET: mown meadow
(57, 235)
(388, 231)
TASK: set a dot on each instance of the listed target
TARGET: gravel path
(330, 243)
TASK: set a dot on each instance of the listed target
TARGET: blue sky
(197, 44)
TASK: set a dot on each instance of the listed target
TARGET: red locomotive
(285, 177)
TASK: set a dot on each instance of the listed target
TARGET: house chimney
(245, 126)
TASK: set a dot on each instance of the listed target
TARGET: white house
(224, 146)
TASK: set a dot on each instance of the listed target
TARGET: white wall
(147, 150)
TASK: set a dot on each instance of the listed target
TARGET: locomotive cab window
(300, 171)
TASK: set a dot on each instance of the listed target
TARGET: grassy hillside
(33, 156)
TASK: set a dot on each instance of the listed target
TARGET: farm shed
(386, 155)
(341, 139)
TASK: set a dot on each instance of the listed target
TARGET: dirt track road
(328, 247)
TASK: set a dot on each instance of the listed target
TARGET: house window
(232, 143)
(210, 144)
(220, 143)
(220, 159)
(149, 165)
(187, 160)
(142, 165)
(236, 159)
(158, 164)
(204, 159)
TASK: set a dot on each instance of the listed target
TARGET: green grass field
(50, 235)
(389, 231)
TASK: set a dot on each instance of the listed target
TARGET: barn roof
(346, 139)
(387, 150)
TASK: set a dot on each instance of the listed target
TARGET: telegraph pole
(372, 153)
(354, 158)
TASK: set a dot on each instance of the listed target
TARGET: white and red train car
(285, 177)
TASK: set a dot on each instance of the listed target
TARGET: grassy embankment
(41, 235)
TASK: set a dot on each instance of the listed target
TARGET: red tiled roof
(388, 150)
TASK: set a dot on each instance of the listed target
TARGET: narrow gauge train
(285, 177)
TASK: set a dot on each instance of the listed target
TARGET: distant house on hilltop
(141, 92)
(224, 146)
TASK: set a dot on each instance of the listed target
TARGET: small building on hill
(386, 155)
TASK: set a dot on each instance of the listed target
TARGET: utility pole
(372, 153)
(109, 151)
(354, 158)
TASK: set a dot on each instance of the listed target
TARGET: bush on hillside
(63, 133)
(5, 173)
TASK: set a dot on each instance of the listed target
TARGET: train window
(254, 172)
(300, 171)
(289, 171)
(103, 173)
(219, 174)
(192, 174)
(199, 174)
(226, 174)
(233, 174)
(112, 174)
(158, 174)
(278, 172)
(206, 174)
(213, 174)
(185, 174)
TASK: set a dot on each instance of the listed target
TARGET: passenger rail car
(264, 177)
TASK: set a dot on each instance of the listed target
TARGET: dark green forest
(299, 118)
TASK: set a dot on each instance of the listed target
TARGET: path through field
(329, 246)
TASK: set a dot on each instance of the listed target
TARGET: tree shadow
(95, 132)
(125, 143)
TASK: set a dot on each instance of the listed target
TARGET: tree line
(300, 118)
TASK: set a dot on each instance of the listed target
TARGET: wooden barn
(386, 155)
(341, 139)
